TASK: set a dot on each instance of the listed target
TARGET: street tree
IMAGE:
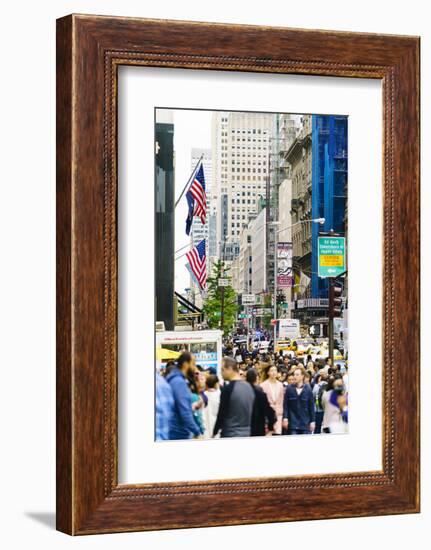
(267, 317)
(221, 305)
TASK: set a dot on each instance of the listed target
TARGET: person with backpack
(335, 406)
(318, 390)
(182, 424)
(263, 415)
(212, 393)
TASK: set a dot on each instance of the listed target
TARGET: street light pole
(331, 321)
(248, 324)
(222, 308)
(222, 291)
(320, 221)
(331, 308)
(189, 180)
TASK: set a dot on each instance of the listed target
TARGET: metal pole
(189, 180)
(222, 293)
(331, 312)
(248, 324)
(182, 248)
(222, 308)
(331, 321)
(182, 256)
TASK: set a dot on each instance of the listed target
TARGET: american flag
(198, 264)
(196, 198)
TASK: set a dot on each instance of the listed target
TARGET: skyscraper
(278, 192)
(165, 216)
(240, 149)
(299, 158)
(329, 195)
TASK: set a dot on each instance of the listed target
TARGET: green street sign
(332, 256)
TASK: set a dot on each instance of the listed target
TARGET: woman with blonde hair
(262, 370)
(274, 391)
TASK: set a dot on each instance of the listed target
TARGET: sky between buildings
(191, 129)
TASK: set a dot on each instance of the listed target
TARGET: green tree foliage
(218, 295)
(266, 320)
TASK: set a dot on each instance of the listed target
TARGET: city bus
(206, 346)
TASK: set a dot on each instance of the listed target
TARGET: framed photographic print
(237, 274)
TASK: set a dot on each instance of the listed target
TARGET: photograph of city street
(251, 285)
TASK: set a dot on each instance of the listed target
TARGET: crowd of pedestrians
(257, 395)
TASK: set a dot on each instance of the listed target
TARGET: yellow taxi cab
(338, 356)
(283, 345)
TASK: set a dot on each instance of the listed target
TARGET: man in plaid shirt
(164, 407)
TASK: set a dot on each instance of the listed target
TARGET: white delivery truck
(206, 345)
(288, 328)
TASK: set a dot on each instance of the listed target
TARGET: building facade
(245, 261)
(165, 218)
(299, 156)
(318, 159)
(240, 147)
(278, 199)
(257, 229)
(329, 194)
(284, 235)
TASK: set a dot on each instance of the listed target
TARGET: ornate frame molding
(90, 49)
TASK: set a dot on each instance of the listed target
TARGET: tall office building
(245, 258)
(284, 236)
(165, 217)
(329, 194)
(257, 231)
(299, 157)
(284, 132)
(240, 149)
(318, 159)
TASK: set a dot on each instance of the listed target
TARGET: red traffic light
(335, 300)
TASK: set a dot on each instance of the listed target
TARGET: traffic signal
(280, 299)
(314, 330)
(335, 300)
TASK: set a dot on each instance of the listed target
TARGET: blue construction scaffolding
(329, 185)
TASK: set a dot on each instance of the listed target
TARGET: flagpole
(189, 180)
(182, 255)
(182, 248)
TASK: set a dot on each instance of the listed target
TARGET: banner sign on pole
(332, 256)
(284, 265)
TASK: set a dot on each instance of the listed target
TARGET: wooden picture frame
(89, 51)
